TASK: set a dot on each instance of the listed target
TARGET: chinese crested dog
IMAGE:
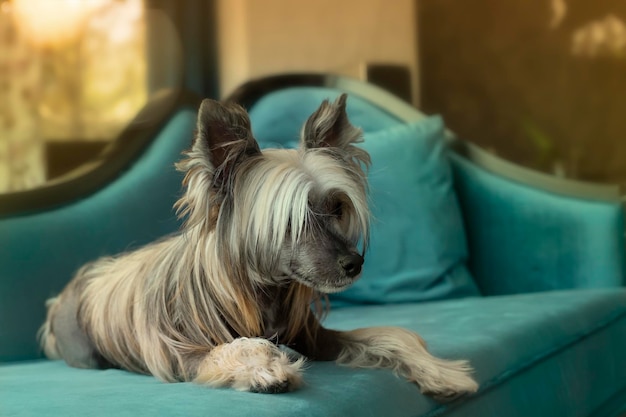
(266, 235)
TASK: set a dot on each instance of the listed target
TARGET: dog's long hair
(265, 235)
(205, 286)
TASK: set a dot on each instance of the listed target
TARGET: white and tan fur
(266, 234)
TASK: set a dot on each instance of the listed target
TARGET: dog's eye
(337, 209)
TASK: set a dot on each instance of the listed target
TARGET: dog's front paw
(447, 380)
(253, 364)
(275, 387)
(275, 376)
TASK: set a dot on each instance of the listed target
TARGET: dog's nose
(351, 264)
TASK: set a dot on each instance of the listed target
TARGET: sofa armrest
(530, 232)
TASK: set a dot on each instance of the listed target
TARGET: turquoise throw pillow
(417, 244)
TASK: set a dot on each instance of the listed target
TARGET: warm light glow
(77, 71)
(559, 10)
(48, 22)
(603, 37)
(5, 7)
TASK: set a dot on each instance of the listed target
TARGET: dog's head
(281, 215)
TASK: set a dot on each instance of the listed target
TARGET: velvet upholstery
(544, 241)
(535, 352)
(41, 251)
(279, 116)
(417, 246)
(530, 351)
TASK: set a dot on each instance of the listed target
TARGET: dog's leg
(63, 338)
(400, 350)
(250, 364)
(405, 353)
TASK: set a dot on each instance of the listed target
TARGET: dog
(266, 236)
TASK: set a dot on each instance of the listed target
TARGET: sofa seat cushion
(558, 353)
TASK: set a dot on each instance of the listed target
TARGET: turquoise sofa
(544, 323)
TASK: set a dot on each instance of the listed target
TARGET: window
(72, 74)
(539, 82)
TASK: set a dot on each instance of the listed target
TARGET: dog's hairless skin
(265, 235)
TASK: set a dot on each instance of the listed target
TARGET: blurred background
(539, 82)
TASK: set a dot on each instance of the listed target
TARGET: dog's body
(265, 235)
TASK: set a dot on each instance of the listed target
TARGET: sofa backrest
(40, 251)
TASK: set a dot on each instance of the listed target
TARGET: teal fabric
(548, 354)
(40, 252)
(523, 239)
(418, 247)
(278, 117)
(542, 354)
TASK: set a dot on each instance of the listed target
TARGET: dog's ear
(329, 126)
(224, 137)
